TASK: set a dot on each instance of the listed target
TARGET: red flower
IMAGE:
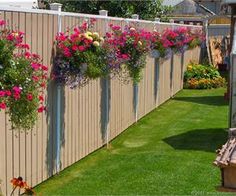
(2, 105)
(8, 93)
(35, 78)
(29, 97)
(44, 68)
(81, 48)
(41, 109)
(35, 56)
(16, 95)
(27, 54)
(43, 85)
(24, 46)
(41, 98)
(18, 182)
(74, 47)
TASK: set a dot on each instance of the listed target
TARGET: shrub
(202, 77)
(22, 80)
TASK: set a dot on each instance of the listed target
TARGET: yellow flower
(96, 43)
(89, 33)
(16, 34)
(189, 68)
(88, 37)
(101, 39)
(96, 34)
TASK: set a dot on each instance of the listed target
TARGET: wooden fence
(32, 154)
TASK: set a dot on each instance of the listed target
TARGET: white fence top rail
(43, 11)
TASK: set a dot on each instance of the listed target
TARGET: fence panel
(32, 154)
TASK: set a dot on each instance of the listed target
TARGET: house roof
(188, 7)
(171, 2)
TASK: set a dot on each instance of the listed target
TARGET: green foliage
(146, 9)
(96, 63)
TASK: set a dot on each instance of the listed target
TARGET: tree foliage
(148, 9)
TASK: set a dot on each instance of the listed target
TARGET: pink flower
(2, 93)
(2, 22)
(124, 56)
(116, 28)
(67, 52)
(16, 89)
(35, 66)
(2, 105)
(81, 48)
(61, 37)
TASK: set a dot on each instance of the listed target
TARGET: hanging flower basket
(22, 82)
(128, 50)
(80, 56)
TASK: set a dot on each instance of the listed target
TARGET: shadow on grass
(207, 100)
(200, 139)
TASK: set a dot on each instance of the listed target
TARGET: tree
(148, 9)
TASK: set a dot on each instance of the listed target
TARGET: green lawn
(170, 151)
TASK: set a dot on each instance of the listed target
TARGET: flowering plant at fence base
(22, 81)
(80, 56)
(19, 184)
(202, 77)
(128, 50)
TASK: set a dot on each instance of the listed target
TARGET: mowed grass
(168, 152)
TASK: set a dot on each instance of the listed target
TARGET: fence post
(135, 86)
(232, 98)
(171, 64)
(157, 69)
(182, 69)
(57, 7)
(107, 88)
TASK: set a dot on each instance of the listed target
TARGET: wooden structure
(226, 160)
(32, 154)
(226, 157)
